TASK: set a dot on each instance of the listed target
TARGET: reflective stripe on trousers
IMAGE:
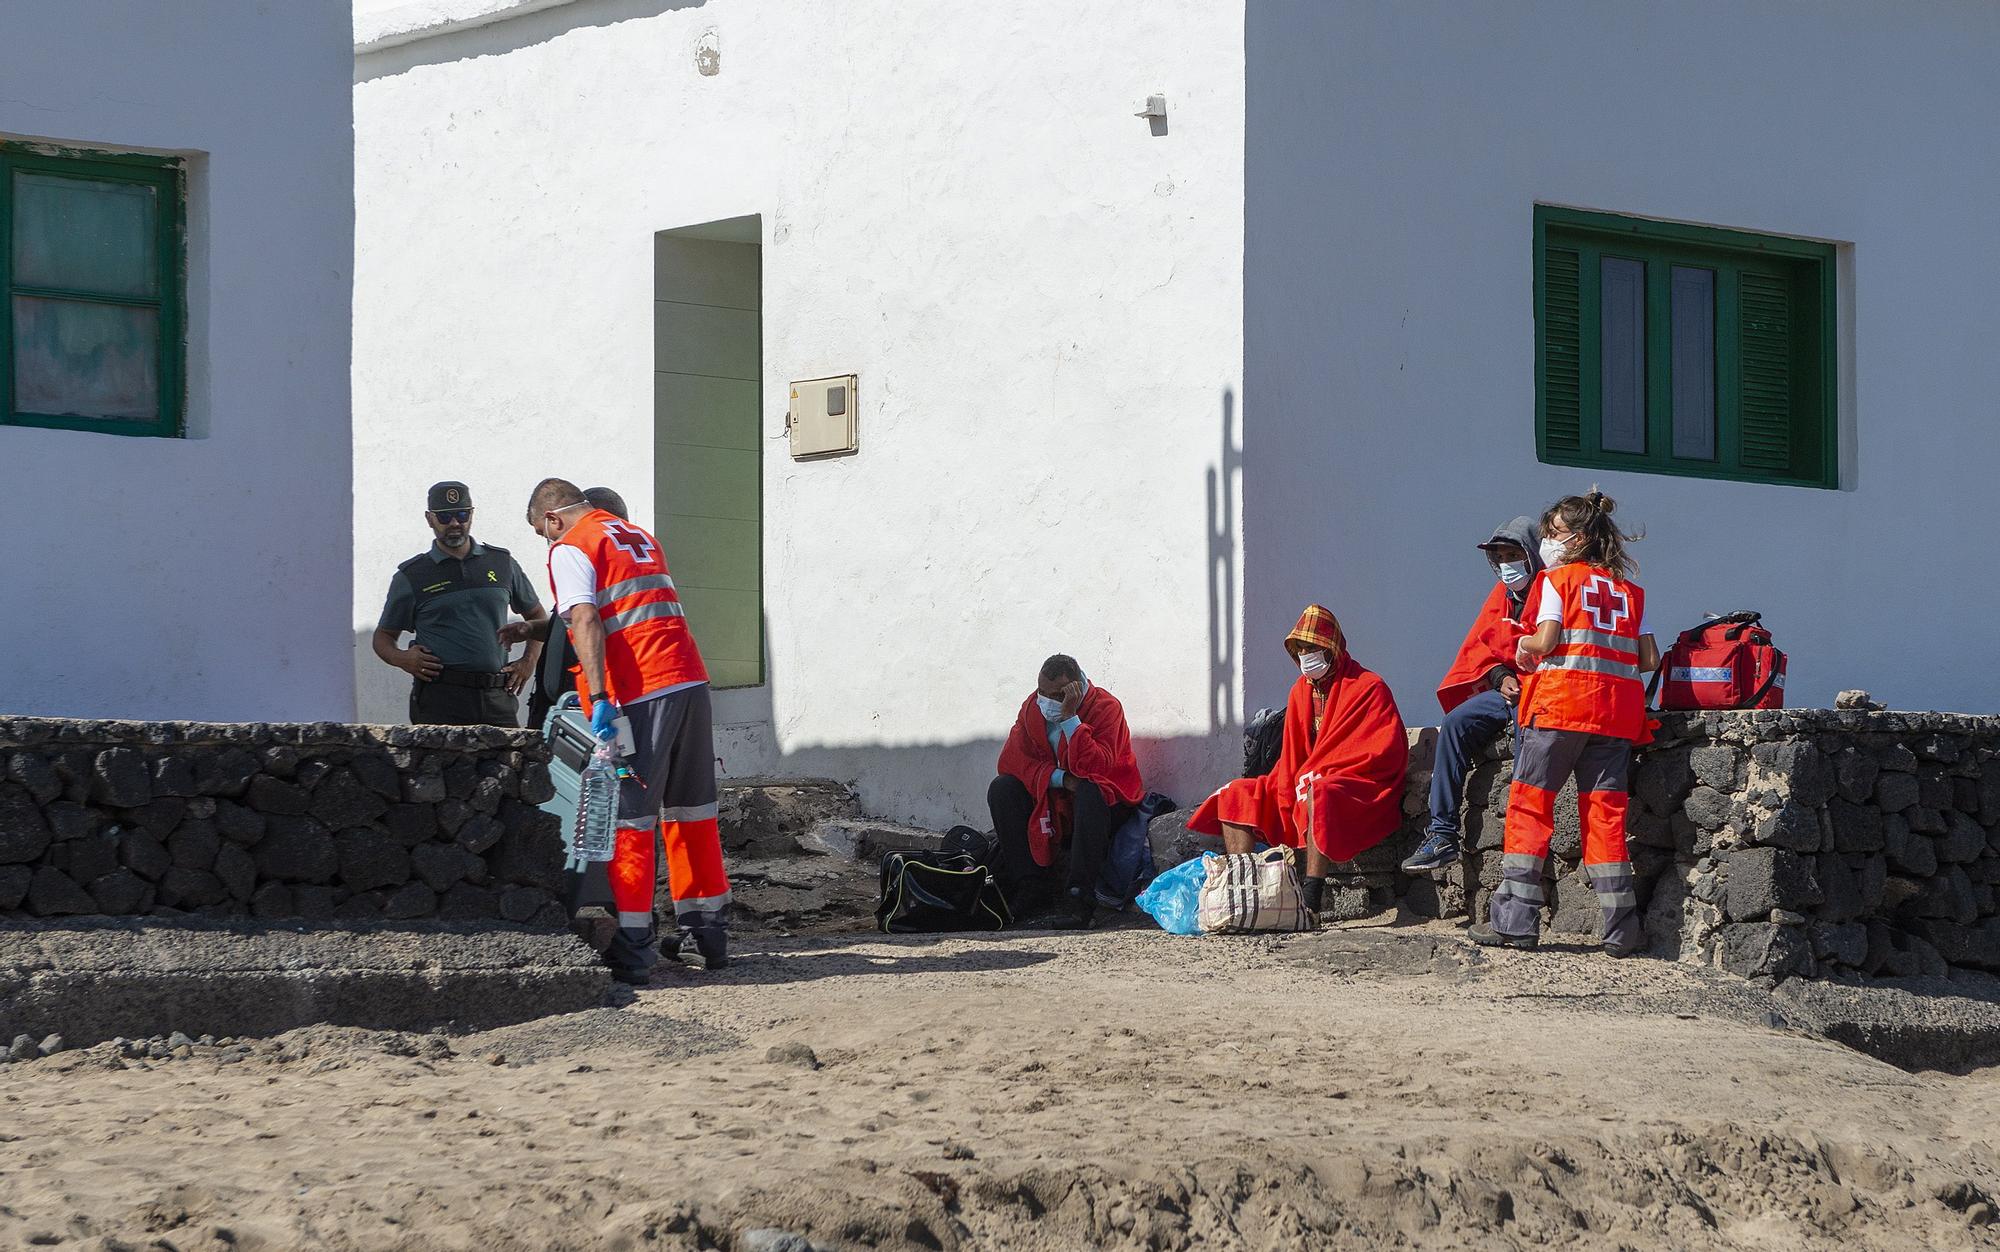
(690, 813)
(1618, 902)
(1517, 902)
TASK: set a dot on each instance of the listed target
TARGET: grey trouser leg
(1602, 769)
(1543, 760)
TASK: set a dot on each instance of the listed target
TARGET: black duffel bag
(927, 892)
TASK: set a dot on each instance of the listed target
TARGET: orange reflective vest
(1590, 682)
(647, 644)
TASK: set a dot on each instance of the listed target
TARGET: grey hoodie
(1521, 530)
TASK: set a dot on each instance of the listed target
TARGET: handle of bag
(1740, 621)
(1758, 696)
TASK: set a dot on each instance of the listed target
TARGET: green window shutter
(1765, 329)
(1762, 409)
(1562, 351)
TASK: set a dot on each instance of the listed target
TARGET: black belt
(469, 678)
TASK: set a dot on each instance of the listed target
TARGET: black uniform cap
(446, 496)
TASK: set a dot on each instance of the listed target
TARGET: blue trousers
(1466, 731)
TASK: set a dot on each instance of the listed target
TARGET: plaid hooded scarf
(1318, 631)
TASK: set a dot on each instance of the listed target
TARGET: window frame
(168, 176)
(1669, 244)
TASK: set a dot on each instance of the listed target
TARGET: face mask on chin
(1514, 574)
(1555, 552)
(1051, 709)
(1314, 665)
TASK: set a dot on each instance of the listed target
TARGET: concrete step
(766, 817)
(865, 839)
(94, 979)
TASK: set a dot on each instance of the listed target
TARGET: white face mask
(1314, 665)
(1051, 709)
(1514, 574)
(1554, 552)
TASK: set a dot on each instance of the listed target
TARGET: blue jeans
(1466, 731)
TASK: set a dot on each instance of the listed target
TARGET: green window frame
(168, 299)
(1764, 397)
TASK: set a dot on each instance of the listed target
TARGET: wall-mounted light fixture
(1155, 114)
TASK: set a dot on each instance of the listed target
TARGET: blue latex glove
(603, 719)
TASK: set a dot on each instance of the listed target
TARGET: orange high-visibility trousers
(695, 876)
(1544, 760)
(671, 795)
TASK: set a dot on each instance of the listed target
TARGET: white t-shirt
(576, 577)
(1550, 608)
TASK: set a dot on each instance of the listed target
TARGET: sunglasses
(453, 516)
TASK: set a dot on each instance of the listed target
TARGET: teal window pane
(85, 234)
(1622, 339)
(1693, 293)
(73, 358)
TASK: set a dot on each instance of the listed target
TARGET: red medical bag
(1727, 662)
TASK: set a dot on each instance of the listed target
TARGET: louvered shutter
(1765, 337)
(1562, 351)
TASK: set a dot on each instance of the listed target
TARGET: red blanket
(1100, 752)
(1350, 778)
(1490, 642)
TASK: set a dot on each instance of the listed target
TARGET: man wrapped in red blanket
(1067, 777)
(1337, 787)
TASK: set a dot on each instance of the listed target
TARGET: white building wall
(205, 577)
(1041, 297)
(1395, 154)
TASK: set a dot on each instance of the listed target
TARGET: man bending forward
(637, 663)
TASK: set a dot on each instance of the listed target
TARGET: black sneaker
(1486, 937)
(1437, 852)
(633, 977)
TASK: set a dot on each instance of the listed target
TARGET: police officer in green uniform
(455, 597)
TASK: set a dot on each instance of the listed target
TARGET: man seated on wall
(1481, 690)
(1067, 777)
(1337, 787)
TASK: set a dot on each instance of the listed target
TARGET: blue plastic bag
(1174, 898)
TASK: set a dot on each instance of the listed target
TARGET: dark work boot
(1486, 937)
(1083, 911)
(708, 944)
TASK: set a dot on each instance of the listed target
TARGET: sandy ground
(1121, 1089)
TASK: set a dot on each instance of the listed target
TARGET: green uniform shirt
(456, 607)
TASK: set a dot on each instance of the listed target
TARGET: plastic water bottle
(597, 805)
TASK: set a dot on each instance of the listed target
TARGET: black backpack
(1263, 738)
(926, 892)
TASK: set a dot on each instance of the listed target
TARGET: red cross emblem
(634, 542)
(1606, 605)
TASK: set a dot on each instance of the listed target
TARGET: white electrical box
(821, 420)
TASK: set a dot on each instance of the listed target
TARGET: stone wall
(316, 821)
(1773, 843)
